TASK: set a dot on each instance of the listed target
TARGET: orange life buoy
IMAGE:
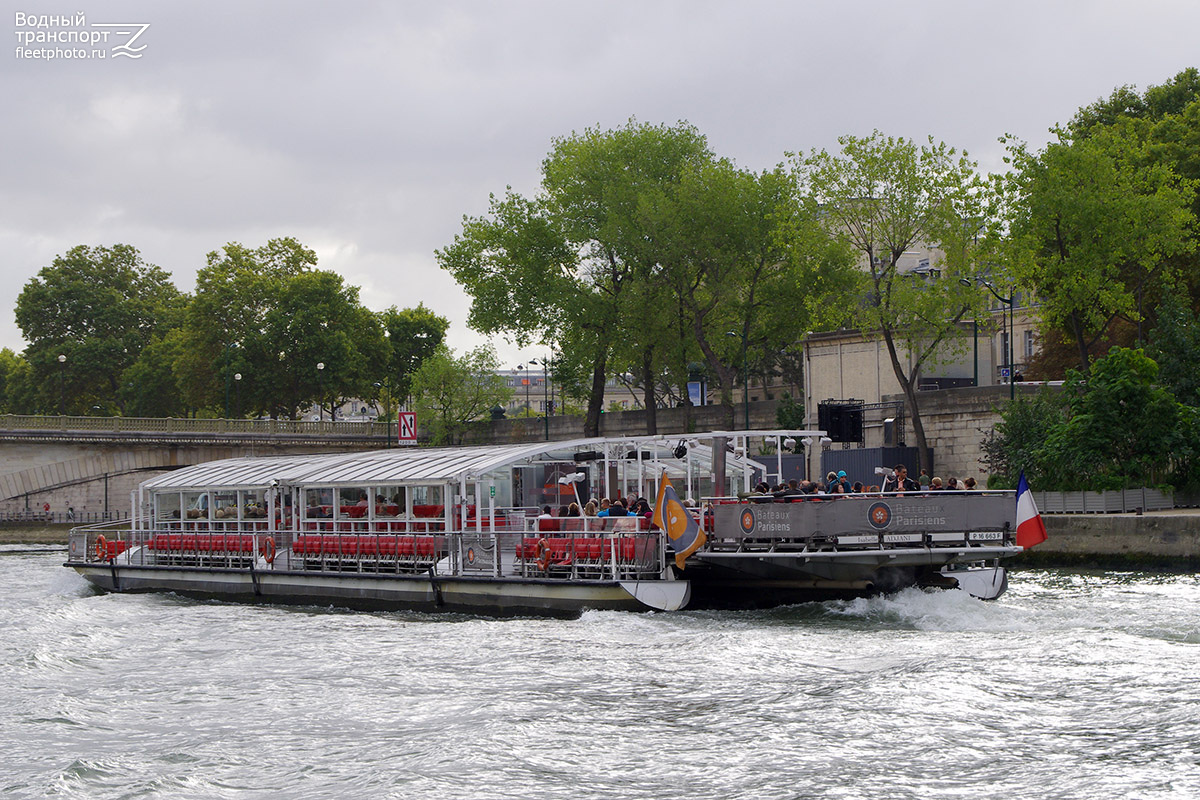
(543, 554)
(101, 548)
(268, 550)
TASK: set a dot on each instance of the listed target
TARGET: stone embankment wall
(670, 422)
(1161, 539)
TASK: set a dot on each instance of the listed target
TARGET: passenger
(830, 482)
(923, 479)
(969, 484)
(936, 484)
(605, 504)
(857, 488)
(545, 513)
(899, 481)
(952, 483)
(617, 509)
(362, 500)
(564, 511)
(573, 510)
(591, 508)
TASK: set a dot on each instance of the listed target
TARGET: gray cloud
(367, 130)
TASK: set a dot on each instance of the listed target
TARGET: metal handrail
(29, 422)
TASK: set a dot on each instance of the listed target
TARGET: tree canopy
(99, 307)
(451, 391)
(640, 253)
(882, 196)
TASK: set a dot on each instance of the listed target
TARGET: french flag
(1030, 528)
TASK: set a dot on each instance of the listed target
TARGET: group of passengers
(628, 507)
(839, 483)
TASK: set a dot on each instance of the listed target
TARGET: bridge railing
(23, 422)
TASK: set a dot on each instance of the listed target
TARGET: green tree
(1122, 429)
(414, 334)
(98, 307)
(148, 386)
(271, 316)
(1092, 224)
(739, 260)
(18, 394)
(1014, 445)
(1175, 346)
(234, 292)
(450, 392)
(571, 264)
(882, 196)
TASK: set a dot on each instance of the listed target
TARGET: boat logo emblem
(879, 515)
(747, 521)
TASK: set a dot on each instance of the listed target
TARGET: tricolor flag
(1030, 528)
(670, 515)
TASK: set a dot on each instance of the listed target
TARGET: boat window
(254, 504)
(318, 503)
(167, 506)
(503, 482)
(197, 504)
(389, 501)
(225, 505)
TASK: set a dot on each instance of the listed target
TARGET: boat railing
(620, 553)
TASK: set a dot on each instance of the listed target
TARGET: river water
(1073, 685)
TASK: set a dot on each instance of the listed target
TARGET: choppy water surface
(1072, 685)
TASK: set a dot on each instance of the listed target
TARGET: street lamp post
(237, 378)
(526, 368)
(321, 392)
(745, 375)
(62, 364)
(545, 395)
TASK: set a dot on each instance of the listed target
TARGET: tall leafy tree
(1093, 222)
(99, 307)
(414, 334)
(567, 265)
(882, 196)
(268, 314)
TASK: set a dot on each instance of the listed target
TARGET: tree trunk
(648, 399)
(910, 394)
(591, 423)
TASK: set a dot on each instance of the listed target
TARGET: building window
(1028, 344)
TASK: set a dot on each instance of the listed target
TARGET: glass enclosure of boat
(516, 511)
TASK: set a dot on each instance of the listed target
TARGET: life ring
(101, 548)
(268, 550)
(542, 552)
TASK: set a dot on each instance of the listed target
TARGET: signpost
(407, 428)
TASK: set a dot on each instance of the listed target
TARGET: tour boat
(462, 529)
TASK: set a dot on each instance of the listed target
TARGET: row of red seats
(551, 524)
(564, 551)
(202, 543)
(338, 545)
(378, 525)
(110, 549)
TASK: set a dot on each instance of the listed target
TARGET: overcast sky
(367, 129)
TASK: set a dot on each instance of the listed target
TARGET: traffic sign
(407, 428)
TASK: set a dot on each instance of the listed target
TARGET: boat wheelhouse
(463, 529)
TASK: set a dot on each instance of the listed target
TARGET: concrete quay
(1156, 540)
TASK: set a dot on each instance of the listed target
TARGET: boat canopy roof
(437, 465)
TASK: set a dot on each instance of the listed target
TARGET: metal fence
(118, 425)
(1111, 502)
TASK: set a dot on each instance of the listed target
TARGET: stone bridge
(92, 464)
